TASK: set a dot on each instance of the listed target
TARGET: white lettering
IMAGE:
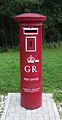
(34, 69)
(27, 68)
(31, 79)
(31, 90)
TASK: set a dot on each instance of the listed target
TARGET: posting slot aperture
(30, 31)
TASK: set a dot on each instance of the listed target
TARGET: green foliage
(57, 95)
(52, 45)
(52, 27)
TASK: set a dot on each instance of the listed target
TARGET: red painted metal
(30, 17)
(30, 34)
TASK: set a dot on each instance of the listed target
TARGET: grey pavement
(14, 111)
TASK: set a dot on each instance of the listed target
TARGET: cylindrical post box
(30, 34)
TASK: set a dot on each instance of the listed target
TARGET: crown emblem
(31, 59)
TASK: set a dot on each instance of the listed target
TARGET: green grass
(9, 72)
(52, 72)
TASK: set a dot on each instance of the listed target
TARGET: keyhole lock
(30, 43)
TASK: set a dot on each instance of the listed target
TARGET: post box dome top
(30, 17)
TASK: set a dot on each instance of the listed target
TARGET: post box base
(31, 101)
(31, 108)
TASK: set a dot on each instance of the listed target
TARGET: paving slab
(14, 111)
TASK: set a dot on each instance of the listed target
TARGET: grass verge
(51, 72)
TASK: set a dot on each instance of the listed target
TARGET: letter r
(34, 69)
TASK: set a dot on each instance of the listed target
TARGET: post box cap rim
(30, 17)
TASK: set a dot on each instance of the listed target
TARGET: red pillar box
(30, 34)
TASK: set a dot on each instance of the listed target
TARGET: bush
(9, 28)
(52, 45)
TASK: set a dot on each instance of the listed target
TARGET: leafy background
(8, 27)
